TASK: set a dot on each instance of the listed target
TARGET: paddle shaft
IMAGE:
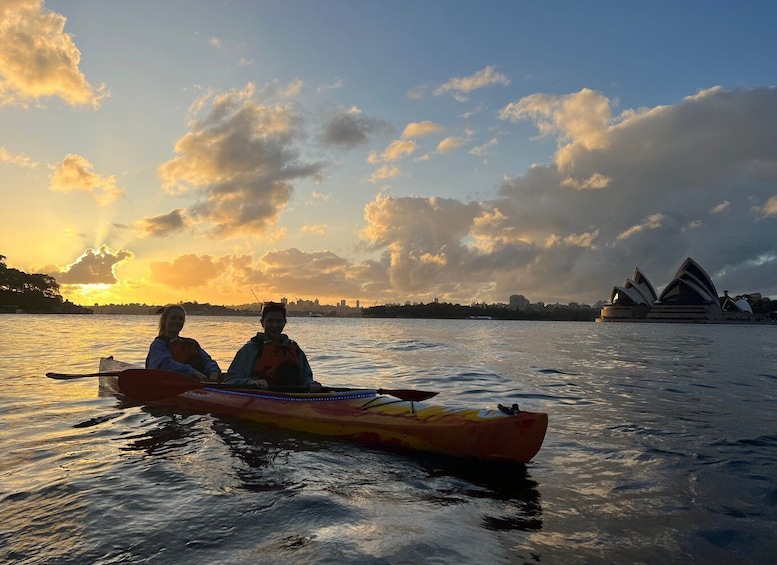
(156, 384)
(71, 376)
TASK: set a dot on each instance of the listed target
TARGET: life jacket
(186, 350)
(277, 363)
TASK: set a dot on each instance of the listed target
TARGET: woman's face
(174, 322)
(273, 324)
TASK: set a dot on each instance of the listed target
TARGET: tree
(30, 292)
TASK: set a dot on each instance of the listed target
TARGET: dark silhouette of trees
(32, 293)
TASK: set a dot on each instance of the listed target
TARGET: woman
(171, 352)
(270, 360)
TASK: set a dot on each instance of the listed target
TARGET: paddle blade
(149, 385)
(408, 394)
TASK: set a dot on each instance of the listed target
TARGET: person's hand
(315, 386)
(200, 377)
(261, 384)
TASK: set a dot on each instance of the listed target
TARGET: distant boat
(481, 318)
(315, 315)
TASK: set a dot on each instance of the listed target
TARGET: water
(662, 447)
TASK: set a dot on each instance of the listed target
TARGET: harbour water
(661, 448)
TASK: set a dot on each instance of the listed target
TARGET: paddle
(154, 384)
(69, 376)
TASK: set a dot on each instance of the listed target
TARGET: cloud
(163, 224)
(423, 236)
(276, 274)
(769, 209)
(482, 150)
(293, 89)
(620, 192)
(274, 89)
(722, 207)
(646, 187)
(447, 145)
(450, 144)
(337, 84)
(349, 129)
(464, 85)
(469, 113)
(384, 172)
(94, 267)
(316, 229)
(418, 92)
(188, 271)
(421, 129)
(573, 240)
(38, 59)
(293, 273)
(595, 181)
(74, 173)
(652, 222)
(580, 120)
(564, 230)
(216, 42)
(397, 149)
(458, 87)
(316, 196)
(16, 159)
(240, 160)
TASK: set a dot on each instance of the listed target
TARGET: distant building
(518, 302)
(690, 297)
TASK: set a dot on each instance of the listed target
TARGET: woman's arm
(211, 367)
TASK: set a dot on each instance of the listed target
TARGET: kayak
(367, 416)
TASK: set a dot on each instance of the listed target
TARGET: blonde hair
(165, 313)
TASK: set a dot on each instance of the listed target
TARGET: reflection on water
(660, 448)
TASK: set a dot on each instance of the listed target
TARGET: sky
(465, 151)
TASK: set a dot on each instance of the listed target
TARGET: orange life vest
(186, 350)
(277, 363)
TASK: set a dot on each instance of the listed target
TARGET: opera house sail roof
(636, 290)
(690, 297)
(691, 285)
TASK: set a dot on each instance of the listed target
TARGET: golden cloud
(94, 267)
(579, 119)
(16, 159)
(74, 173)
(464, 85)
(421, 129)
(241, 160)
(38, 59)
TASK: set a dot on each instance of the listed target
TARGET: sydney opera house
(691, 297)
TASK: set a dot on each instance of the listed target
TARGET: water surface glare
(662, 447)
